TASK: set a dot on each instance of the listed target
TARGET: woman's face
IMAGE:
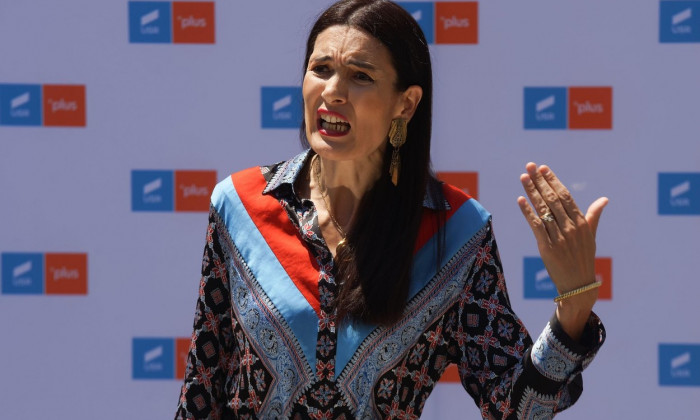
(350, 95)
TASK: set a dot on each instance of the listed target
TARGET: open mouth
(332, 124)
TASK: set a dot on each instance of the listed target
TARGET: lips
(332, 124)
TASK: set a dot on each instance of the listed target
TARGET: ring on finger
(547, 217)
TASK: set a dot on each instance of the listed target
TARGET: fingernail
(545, 171)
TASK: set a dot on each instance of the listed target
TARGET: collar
(284, 175)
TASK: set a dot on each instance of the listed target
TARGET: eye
(321, 69)
(363, 77)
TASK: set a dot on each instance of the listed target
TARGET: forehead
(345, 42)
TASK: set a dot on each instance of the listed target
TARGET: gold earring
(397, 137)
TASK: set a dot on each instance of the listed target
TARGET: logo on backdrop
(679, 21)
(538, 284)
(545, 108)
(446, 22)
(20, 104)
(572, 107)
(179, 22)
(679, 193)
(47, 105)
(167, 191)
(424, 14)
(159, 358)
(466, 181)
(679, 364)
(50, 273)
(281, 107)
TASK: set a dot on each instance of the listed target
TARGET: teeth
(334, 127)
(333, 119)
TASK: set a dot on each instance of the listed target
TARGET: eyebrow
(353, 62)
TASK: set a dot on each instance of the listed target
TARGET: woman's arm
(566, 242)
(507, 375)
(212, 347)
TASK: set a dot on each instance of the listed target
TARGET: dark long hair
(374, 270)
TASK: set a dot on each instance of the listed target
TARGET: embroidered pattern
(551, 358)
(536, 406)
(245, 360)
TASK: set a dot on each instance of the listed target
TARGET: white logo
(188, 190)
(278, 108)
(150, 17)
(19, 100)
(152, 186)
(677, 26)
(680, 189)
(282, 103)
(150, 362)
(191, 21)
(681, 360)
(147, 19)
(542, 280)
(63, 105)
(679, 366)
(677, 192)
(588, 108)
(545, 103)
(65, 273)
(152, 355)
(19, 271)
(454, 22)
(417, 15)
(682, 16)
(22, 269)
(578, 186)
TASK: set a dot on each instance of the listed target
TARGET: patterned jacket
(266, 343)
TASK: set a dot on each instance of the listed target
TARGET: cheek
(308, 93)
(312, 85)
(376, 115)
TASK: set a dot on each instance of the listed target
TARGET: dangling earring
(397, 137)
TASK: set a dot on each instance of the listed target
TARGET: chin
(331, 147)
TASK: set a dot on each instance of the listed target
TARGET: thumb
(594, 212)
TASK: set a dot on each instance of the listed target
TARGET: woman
(341, 283)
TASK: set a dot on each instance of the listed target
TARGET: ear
(408, 102)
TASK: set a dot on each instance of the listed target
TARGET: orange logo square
(457, 22)
(182, 349)
(466, 181)
(590, 108)
(64, 105)
(66, 274)
(193, 22)
(603, 272)
(193, 190)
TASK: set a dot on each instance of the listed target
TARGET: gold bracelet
(578, 291)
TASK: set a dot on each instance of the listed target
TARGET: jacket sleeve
(212, 347)
(507, 375)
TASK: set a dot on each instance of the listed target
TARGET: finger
(594, 212)
(533, 193)
(536, 224)
(550, 197)
(565, 198)
(550, 227)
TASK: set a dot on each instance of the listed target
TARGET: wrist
(573, 312)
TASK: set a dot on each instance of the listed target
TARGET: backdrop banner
(118, 117)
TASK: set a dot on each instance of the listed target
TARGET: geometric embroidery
(536, 406)
(246, 362)
(551, 358)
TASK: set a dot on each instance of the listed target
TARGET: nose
(335, 90)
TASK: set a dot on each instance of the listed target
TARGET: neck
(345, 183)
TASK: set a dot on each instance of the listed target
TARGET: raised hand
(565, 239)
